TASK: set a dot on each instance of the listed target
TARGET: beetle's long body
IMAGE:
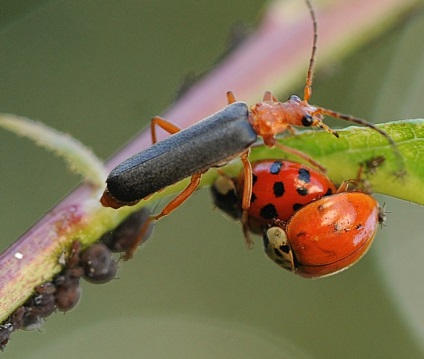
(209, 143)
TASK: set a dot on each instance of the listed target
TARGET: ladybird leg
(357, 183)
(230, 97)
(360, 180)
(164, 124)
(300, 154)
(247, 195)
(351, 185)
(343, 186)
(171, 206)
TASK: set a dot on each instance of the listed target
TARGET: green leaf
(343, 156)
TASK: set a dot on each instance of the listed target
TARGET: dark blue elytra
(211, 142)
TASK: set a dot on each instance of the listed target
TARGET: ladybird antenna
(308, 86)
(362, 122)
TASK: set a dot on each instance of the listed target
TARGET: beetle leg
(164, 124)
(230, 97)
(171, 206)
(247, 195)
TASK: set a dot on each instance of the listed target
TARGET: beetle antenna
(308, 87)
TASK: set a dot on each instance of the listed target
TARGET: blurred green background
(99, 70)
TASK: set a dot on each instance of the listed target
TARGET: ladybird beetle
(326, 236)
(282, 187)
(279, 189)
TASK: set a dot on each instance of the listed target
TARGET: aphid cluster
(308, 226)
(95, 264)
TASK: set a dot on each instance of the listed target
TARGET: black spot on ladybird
(269, 211)
(278, 189)
(304, 175)
(302, 191)
(252, 198)
(254, 179)
(284, 248)
(297, 206)
(276, 168)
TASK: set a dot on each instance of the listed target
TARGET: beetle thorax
(271, 118)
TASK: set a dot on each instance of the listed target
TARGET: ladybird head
(278, 248)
